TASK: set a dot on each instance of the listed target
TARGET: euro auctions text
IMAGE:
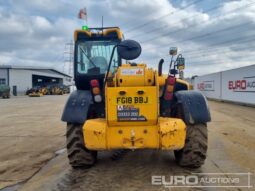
(226, 180)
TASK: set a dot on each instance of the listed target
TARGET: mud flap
(77, 106)
(194, 105)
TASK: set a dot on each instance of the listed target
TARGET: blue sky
(35, 32)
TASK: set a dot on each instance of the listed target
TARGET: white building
(22, 78)
(236, 85)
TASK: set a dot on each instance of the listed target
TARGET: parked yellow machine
(56, 90)
(37, 92)
(44, 90)
(130, 106)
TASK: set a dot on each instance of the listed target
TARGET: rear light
(170, 82)
(95, 89)
(168, 96)
(170, 88)
(94, 83)
(98, 98)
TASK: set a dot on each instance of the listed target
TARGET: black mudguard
(77, 107)
(194, 106)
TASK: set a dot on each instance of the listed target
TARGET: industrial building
(22, 78)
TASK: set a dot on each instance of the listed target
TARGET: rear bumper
(170, 133)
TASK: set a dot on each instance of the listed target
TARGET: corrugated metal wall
(236, 85)
(22, 78)
(4, 75)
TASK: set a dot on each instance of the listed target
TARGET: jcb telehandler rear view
(126, 105)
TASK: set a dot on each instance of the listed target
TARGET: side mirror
(129, 49)
(173, 51)
(180, 63)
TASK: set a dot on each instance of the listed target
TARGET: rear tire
(78, 154)
(194, 152)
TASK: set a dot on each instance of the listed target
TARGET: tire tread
(194, 152)
(78, 154)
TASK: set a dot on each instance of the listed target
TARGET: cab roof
(111, 32)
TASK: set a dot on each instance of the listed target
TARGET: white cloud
(42, 23)
(35, 32)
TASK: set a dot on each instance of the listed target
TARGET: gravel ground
(31, 133)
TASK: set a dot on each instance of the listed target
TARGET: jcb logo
(139, 72)
(132, 100)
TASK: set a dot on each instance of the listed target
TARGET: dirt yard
(31, 133)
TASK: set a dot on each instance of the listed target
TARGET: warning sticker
(129, 113)
(132, 71)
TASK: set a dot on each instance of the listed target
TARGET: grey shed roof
(33, 68)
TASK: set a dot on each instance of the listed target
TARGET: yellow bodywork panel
(94, 132)
(104, 33)
(162, 80)
(113, 30)
(128, 76)
(76, 32)
(169, 134)
(172, 133)
(183, 82)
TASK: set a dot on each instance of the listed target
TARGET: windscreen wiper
(88, 57)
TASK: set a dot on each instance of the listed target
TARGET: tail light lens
(95, 89)
(94, 83)
(170, 88)
(170, 82)
(98, 98)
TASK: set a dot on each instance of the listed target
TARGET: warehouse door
(43, 81)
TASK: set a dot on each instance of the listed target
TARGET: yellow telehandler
(126, 105)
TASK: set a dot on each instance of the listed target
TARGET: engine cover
(136, 75)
